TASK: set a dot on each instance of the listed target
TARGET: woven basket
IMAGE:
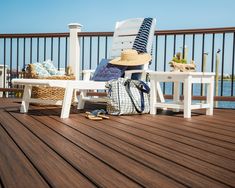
(51, 93)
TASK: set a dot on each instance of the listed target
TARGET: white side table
(188, 78)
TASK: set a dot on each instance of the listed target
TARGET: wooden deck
(39, 149)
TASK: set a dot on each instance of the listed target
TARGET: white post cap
(74, 25)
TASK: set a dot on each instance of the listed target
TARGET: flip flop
(99, 113)
(103, 116)
(92, 117)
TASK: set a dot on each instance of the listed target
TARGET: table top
(182, 73)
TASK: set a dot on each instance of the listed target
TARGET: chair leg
(176, 95)
(81, 101)
(160, 94)
(26, 97)
(67, 102)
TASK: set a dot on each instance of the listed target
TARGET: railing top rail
(170, 32)
(89, 34)
(101, 34)
(196, 31)
(34, 35)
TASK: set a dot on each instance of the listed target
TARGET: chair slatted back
(125, 34)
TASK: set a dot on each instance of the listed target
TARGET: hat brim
(141, 60)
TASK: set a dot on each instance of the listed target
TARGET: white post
(74, 49)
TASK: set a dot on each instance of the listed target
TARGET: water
(227, 86)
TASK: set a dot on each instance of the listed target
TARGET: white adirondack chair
(123, 38)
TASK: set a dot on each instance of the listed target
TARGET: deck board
(122, 163)
(129, 151)
(162, 128)
(68, 150)
(52, 167)
(27, 175)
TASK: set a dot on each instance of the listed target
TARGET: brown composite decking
(39, 149)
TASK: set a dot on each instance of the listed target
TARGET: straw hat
(131, 57)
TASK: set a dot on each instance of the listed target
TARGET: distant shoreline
(227, 79)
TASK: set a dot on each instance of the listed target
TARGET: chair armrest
(87, 74)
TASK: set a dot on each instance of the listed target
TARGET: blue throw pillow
(106, 71)
(48, 65)
(40, 70)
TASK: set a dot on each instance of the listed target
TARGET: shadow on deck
(39, 149)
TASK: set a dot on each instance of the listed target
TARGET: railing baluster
(156, 48)
(193, 47)
(83, 44)
(51, 48)
(174, 49)
(45, 46)
(183, 50)
(10, 58)
(58, 53)
(98, 50)
(233, 58)
(24, 53)
(4, 63)
(165, 46)
(37, 49)
(222, 69)
(174, 45)
(66, 52)
(17, 57)
(183, 45)
(212, 52)
(90, 57)
(31, 58)
(203, 45)
(165, 50)
(106, 47)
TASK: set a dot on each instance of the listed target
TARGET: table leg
(26, 97)
(159, 92)
(67, 102)
(176, 95)
(81, 101)
(187, 97)
(210, 97)
(153, 97)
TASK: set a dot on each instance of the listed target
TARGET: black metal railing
(17, 50)
(199, 42)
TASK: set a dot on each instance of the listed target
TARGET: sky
(30, 16)
(50, 16)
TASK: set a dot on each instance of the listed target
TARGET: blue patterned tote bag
(126, 96)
